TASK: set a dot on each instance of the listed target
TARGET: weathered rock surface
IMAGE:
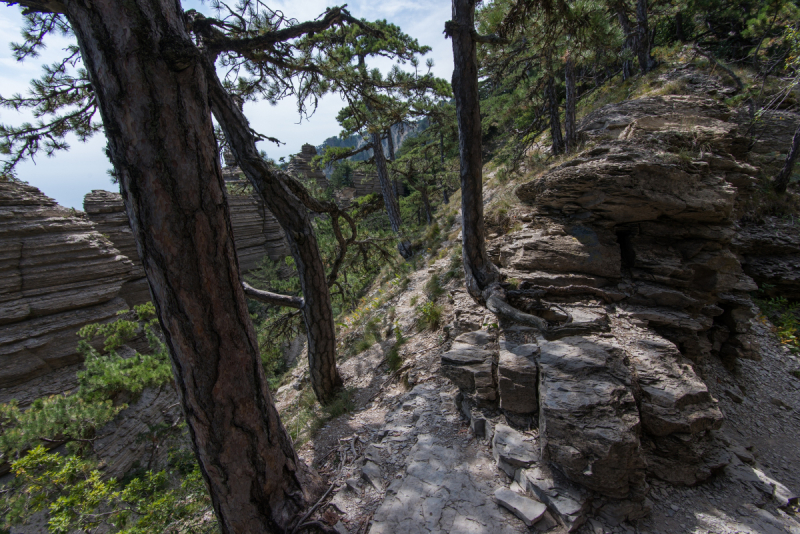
(631, 216)
(121, 446)
(107, 211)
(588, 420)
(528, 510)
(57, 274)
(300, 166)
(770, 254)
(512, 450)
(471, 366)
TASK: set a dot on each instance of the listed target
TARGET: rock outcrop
(300, 167)
(643, 214)
(770, 254)
(57, 274)
(256, 232)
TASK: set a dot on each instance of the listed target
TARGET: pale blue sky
(68, 176)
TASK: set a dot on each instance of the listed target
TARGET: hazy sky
(68, 176)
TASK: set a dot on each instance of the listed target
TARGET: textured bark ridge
(293, 217)
(152, 93)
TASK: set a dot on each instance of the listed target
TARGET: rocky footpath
(57, 274)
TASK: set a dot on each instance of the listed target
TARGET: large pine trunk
(389, 198)
(293, 217)
(154, 104)
(480, 272)
(782, 180)
(571, 138)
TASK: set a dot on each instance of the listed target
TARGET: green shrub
(430, 314)
(433, 288)
(785, 316)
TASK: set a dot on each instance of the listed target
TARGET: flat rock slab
(566, 500)
(528, 510)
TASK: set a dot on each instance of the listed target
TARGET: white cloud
(69, 176)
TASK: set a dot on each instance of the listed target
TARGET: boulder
(470, 366)
(566, 500)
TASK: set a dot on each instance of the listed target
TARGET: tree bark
(480, 273)
(293, 218)
(782, 180)
(392, 207)
(630, 38)
(571, 139)
(426, 202)
(679, 32)
(555, 119)
(151, 90)
(646, 61)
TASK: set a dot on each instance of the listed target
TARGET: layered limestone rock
(107, 211)
(770, 254)
(640, 215)
(300, 167)
(57, 274)
(256, 232)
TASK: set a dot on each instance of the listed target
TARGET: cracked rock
(528, 510)
(512, 451)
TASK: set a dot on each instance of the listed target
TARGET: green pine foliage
(70, 487)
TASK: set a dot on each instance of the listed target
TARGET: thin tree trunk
(389, 199)
(293, 218)
(152, 93)
(646, 61)
(445, 195)
(555, 119)
(782, 180)
(390, 143)
(679, 31)
(571, 139)
(630, 37)
(480, 273)
(426, 202)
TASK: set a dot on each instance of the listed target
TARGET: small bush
(433, 288)
(785, 316)
(430, 314)
(414, 300)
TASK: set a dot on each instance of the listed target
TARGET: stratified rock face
(589, 422)
(256, 232)
(107, 211)
(770, 254)
(57, 274)
(639, 212)
(300, 167)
